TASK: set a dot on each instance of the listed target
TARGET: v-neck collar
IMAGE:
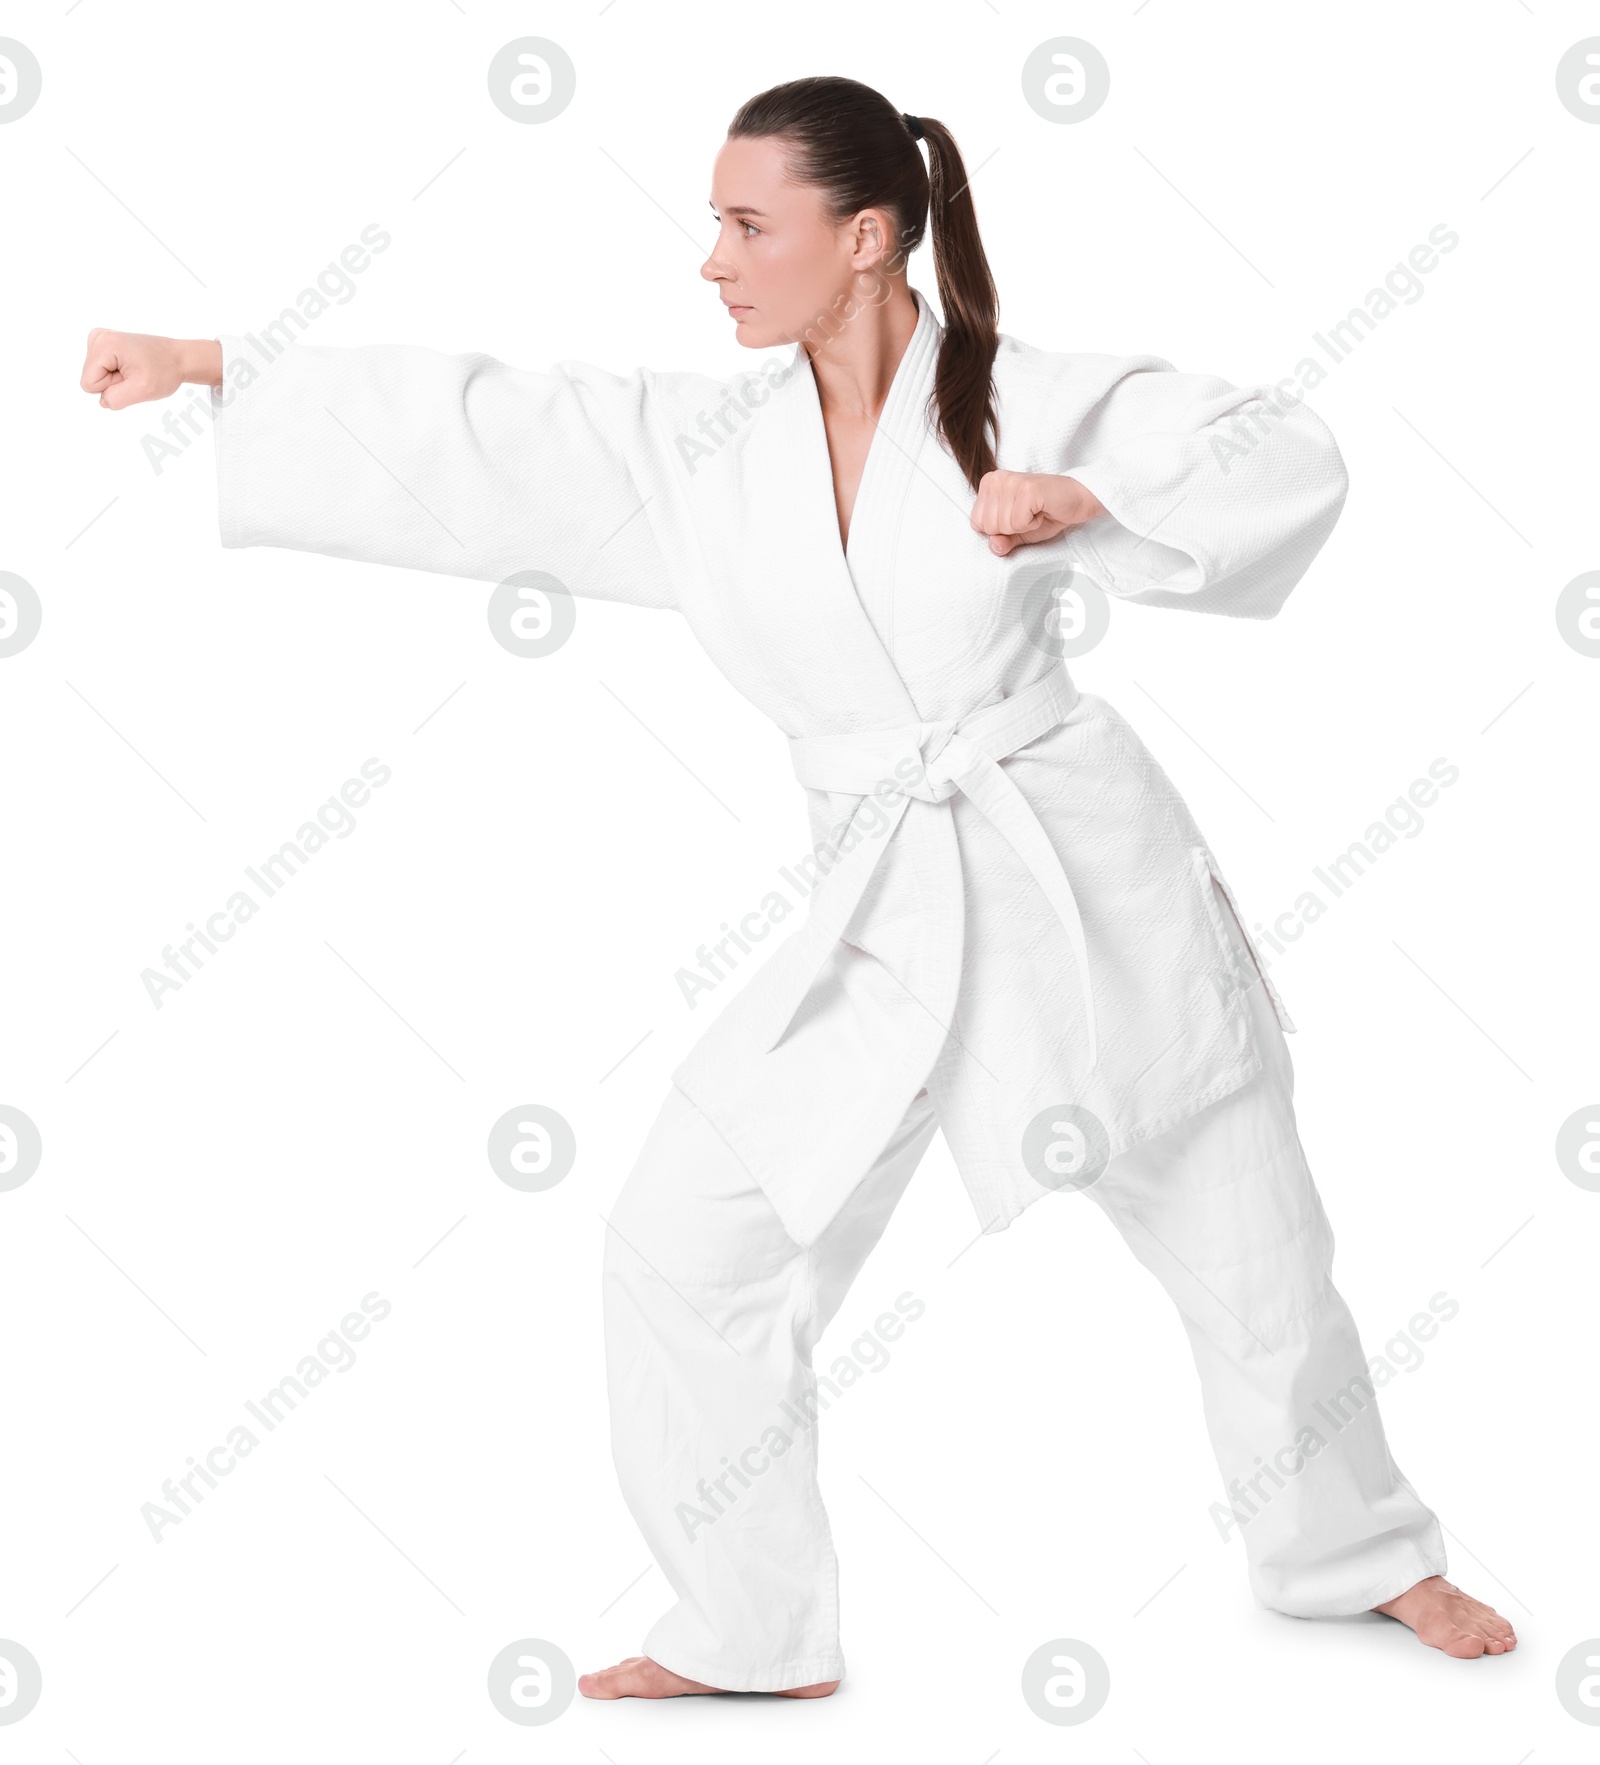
(788, 471)
(910, 383)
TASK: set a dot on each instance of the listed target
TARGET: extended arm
(401, 455)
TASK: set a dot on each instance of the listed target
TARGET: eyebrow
(737, 208)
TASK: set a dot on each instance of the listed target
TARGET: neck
(856, 365)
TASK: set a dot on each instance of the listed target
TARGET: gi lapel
(894, 460)
(890, 461)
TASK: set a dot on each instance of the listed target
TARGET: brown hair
(851, 142)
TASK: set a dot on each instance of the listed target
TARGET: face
(779, 264)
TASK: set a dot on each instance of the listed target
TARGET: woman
(1017, 931)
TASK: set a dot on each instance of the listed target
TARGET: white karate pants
(712, 1312)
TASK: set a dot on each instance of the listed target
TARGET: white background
(304, 1122)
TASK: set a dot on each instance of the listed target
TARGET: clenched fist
(1027, 508)
(125, 368)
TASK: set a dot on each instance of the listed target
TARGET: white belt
(931, 762)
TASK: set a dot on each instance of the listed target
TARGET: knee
(689, 1211)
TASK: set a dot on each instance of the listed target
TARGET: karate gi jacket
(1014, 906)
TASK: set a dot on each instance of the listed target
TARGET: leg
(711, 1313)
(1224, 1212)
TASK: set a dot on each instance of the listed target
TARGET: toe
(606, 1683)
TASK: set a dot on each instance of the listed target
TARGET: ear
(873, 238)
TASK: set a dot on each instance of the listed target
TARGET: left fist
(1026, 508)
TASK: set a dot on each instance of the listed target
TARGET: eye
(753, 228)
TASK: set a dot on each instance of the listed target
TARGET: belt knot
(931, 762)
(936, 748)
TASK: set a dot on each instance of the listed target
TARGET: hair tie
(913, 123)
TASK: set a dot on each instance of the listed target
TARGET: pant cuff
(785, 1678)
(1420, 1566)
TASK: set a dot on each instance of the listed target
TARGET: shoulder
(1045, 398)
(642, 386)
(692, 402)
(1022, 368)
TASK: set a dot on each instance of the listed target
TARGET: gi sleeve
(457, 463)
(1217, 498)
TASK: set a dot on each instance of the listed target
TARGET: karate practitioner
(1016, 933)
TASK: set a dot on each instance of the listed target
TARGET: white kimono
(1014, 906)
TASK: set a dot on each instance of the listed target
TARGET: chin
(756, 332)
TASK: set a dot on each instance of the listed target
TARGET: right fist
(126, 368)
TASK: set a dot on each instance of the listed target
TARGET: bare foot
(640, 1677)
(1446, 1618)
